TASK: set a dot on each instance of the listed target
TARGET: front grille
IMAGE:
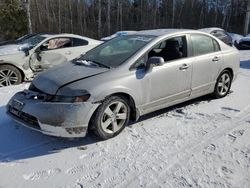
(28, 119)
(245, 43)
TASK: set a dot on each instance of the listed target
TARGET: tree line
(98, 18)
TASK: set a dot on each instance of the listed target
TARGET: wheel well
(230, 71)
(22, 73)
(131, 103)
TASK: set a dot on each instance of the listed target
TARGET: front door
(53, 52)
(172, 80)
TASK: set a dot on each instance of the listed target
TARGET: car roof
(69, 35)
(161, 32)
(211, 29)
(46, 35)
(58, 35)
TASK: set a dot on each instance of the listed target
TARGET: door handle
(215, 59)
(184, 67)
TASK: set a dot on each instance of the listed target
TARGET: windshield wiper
(79, 61)
(99, 64)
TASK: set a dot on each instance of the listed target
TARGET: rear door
(206, 64)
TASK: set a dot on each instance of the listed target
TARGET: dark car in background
(220, 34)
(243, 43)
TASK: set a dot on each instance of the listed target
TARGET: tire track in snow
(43, 174)
(182, 155)
(189, 153)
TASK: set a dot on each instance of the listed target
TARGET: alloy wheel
(114, 117)
(8, 77)
(224, 84)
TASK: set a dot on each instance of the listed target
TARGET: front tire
(111, 117)
(223, 84)
(9, 75)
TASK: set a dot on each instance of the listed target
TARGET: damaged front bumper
(51, 118)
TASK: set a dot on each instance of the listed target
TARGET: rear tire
(223, 85)
(9, 75)
(111, 117)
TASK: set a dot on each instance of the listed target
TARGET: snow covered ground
(201, 143)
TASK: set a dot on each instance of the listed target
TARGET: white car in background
(117, 34)
(220, 34)
(21, 62)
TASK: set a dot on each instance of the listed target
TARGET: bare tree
(230, 14)
(173, 13)
(99, 18)
(121, 21)
(71, 19)
(180, 13)
(247, 19)
(86, 17)
(154, 13)
(79, 12)
(59, 16)
(29, 16)
(118, 14)
(47, 13)
(108, 17)
(38, 12)
(224, 15)
(216, 12)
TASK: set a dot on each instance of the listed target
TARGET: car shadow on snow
(245, 64)
(177, 108)
(18, 142)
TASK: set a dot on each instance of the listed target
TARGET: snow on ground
(201, 143)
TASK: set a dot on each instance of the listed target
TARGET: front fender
(117, 90)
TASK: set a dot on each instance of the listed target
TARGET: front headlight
(70, 99)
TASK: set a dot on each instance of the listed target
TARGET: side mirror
(26, 52)
(154, 61)
(38, 50)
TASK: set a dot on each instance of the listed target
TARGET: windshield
(32, 41)
(114, 52)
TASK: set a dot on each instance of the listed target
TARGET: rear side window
(203, 45)
(79, 42)
(56, 43)
(216, 46)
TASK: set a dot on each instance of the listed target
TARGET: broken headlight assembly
(72, 96)
(69, 99)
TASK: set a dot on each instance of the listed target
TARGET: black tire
(100, 115)
(12, 74)
(222, 88)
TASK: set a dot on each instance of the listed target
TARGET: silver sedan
(125, 78)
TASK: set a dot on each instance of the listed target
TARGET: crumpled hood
(9, 49)
(51, 80)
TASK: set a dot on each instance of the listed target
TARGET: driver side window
(56, 43)
(171, 49)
